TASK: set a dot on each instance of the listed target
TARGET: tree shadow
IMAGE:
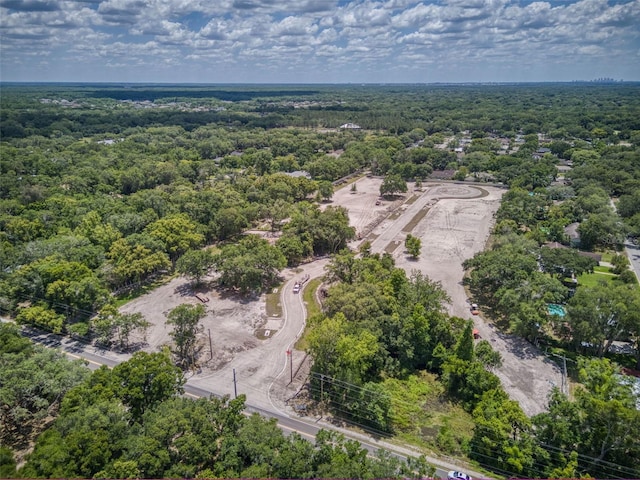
(185, 289)
(236, 295)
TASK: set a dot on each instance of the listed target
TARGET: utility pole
(565, 380)
(235, 388)
(290, 355)
(210, 347)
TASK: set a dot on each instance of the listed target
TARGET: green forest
(108, 190)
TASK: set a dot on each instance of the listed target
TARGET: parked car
(453, 475)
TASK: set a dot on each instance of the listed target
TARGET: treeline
(562, 111)
(99, 196)
(517, 279)
(130, 422)
(380, 331)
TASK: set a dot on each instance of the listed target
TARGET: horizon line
(603, 81)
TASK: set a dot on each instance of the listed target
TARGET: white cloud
(374, 36)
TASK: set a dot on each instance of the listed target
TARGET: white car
(296, 288)
(453, 475)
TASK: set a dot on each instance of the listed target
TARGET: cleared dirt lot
(452, 220)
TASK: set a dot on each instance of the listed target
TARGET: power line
(338, 406)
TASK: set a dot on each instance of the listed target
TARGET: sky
(318, 41)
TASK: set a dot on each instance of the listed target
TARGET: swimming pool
(555, 309)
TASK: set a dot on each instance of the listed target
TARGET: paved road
(261, 371)
(633, 252)
(306, 428)
(258, 401)
(631, 249)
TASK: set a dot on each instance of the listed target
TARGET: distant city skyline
(318, 41)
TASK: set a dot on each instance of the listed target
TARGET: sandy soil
(456, 225)
(231, 321)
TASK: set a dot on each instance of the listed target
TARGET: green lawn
(602, 269)
(592, 279)
(274, 307)
(607, 256)
(309, 299)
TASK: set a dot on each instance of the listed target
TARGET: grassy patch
(412, 199)
(408, 228)
(274, 307)
(602, 269)
(421, 416)
(391, 247)
(607, 256)
(394, 216)
(309, 299)
(134, 293)
(593, 279)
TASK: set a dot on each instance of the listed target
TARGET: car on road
(296, 288)
(454, 475)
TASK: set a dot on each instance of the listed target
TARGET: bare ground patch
(230, 320)
(454, 222)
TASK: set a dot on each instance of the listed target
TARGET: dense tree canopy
(250, 265)
(33, 381)
(106, 195)
(129, 423)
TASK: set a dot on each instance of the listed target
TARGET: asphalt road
(633, 252)
(95, 358)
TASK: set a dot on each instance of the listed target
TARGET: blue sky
(318, 41)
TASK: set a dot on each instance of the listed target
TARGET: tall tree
(464, 349)
(325, 190)
(250, 265)
(393, 184)
(502, 434)
(33, 381)
(598, 424)
(146, 380)
(185, 320)
(413, 245)
(195, 264)
(130, 261)
(111, 325)
(276, 213)
(601, 314)
(178, 233)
